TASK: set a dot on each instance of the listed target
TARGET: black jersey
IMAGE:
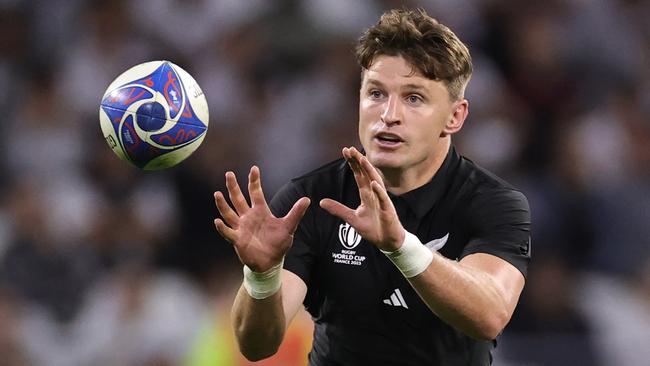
(365, 312)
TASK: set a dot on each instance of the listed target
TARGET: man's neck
(400, 181)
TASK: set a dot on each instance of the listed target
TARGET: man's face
(402, 115)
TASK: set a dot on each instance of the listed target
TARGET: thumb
(296, 213)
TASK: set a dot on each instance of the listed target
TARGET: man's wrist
(412, 257)
(261, 285)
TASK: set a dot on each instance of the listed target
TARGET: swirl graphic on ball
(154, 115)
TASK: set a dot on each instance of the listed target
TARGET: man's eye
(414, 99)
(375, 94)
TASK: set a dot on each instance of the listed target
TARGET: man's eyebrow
(411, 87)
(374, 82)
(414, 87)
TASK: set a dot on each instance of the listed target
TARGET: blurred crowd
(103, 264)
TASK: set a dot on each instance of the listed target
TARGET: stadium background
(101, 264)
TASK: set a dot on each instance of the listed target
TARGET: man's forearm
(259, 324)
(464, 297)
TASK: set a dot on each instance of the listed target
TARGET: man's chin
(384, 161)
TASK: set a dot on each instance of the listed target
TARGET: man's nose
(392, 112)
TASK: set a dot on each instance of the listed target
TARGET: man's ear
(457, 118)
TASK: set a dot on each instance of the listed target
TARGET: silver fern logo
(348, 236)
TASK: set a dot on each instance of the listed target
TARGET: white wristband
(261, 285)
(412, 258)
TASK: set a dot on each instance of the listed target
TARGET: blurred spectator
(107, 46)
(43, 273)
(618, 309)
(14, 48)
(548, 327)
(11, 347)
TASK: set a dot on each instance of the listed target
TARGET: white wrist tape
(261, 285)
(412, 258)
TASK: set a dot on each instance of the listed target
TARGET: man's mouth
(388, 140)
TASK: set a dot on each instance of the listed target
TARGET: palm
(260, 239)
(368, 221)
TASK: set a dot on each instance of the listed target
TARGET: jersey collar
(422, 199)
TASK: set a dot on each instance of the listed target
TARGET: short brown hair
(429, 46)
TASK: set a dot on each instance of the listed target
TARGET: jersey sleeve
(499, 223)
(301, 256)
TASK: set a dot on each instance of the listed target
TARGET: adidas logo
(396, 299)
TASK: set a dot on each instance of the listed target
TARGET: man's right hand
(260, 239)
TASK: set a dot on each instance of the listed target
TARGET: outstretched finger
(339, 210)
(228, 214)
(385, 204)
(235, 194)
(368, 169)
(363, 183)
(255, 187)
(296, 213)
(229, 234)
